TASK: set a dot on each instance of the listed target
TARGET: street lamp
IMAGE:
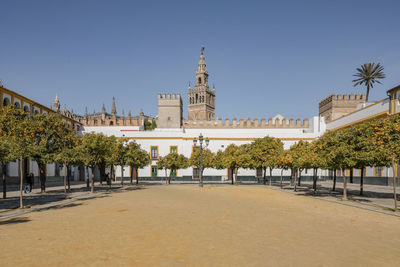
(207, 141)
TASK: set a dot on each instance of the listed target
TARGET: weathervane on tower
(202, 49)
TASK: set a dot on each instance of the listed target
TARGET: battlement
(248, 123)
(344, 97)
(169, 96)
(336, 106)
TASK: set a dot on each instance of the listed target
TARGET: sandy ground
(184, 225)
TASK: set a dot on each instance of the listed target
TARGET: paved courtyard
(183, 225)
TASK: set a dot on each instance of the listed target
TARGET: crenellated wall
(336, 106)
(170, 111)
(248, 123)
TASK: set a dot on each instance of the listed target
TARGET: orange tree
(174, 162)
(136, 158)
(364, 151)
(6, 144)
(284, 161)
(264, 153)
(49, 135)
(299, 153)
(95, 148)
(208, 160)
(70, 155)
(235, 157)
(14, 127)
(386, 137)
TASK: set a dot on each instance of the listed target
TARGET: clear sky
(264, 57)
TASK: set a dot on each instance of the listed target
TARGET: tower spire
(56, 104)
(113, 110)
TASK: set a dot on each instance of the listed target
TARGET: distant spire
(103, 109)
(113, 110)
(57, 104)
(214, 86)
(201, 67)
(202, 49)
(86, 111)
(130, 115)
(123, 114)
(189, 85)
(1, 84)
(141, 112)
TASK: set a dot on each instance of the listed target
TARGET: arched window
(197, 98)
(26, 108)
(36, 112)
(17, 105)
(199, 79)
(111, 123)
(6, 102)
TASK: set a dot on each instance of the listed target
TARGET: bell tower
(201, 99)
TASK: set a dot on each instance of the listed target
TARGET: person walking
(31, 181)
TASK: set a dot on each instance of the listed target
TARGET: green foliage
(368, 74)
(50, 135)
(264, 152)
(96, 148)
(71, 154)
(175, 161)
(208, 158)
(149, 126)
(136, 157)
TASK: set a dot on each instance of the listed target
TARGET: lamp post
(207, 141)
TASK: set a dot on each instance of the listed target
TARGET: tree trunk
(69, 178)
(270, 176)
(122, 174)
(65, 178)
(315, 180)
(131, 174)
(281, 177)
(92, 184)
(166, 176)
(87, 176)
(334, 180)
(137, 175)
(344, 185)
(394, 184)
(291, 176)
(21, 181)
(362, 181)
(366, 99)
(265, 175)
(295, 179)
(236, 171)
(4, 174)
(42, 177)
(299, 177)
(351, 175)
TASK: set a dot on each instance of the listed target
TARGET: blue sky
(264, 57)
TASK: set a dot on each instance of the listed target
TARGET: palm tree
(368, 74)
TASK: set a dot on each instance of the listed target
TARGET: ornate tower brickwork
(201, 99)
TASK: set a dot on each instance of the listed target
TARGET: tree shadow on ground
(51, 196)
(323, 191)
(15, 220)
